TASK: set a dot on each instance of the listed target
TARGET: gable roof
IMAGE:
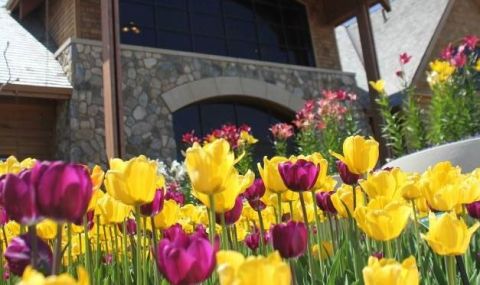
(30, 63)
(409, 27)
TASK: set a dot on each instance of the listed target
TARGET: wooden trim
(58, 93)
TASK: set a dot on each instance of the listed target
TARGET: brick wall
(463, 20)
(323, 38)
(61, 20)
(89, 19)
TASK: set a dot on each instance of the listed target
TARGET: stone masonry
(147, 74)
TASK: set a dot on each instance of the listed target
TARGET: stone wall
(149, 73)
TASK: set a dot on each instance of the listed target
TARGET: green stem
(212, 223)
(88, 253)
(70, 258)
(57, 255)
(32, 231)
(144, 253)
(279, 208)
(138, 249)
(451, 271)
(126, 269)
(309, 253)
(417, 233)
(262, 227)
(388, 249)
(317, 223)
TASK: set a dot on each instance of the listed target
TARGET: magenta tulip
(324, 202)
(345, 174)
(254, 193)
(154, 207)
(19, 251)
(252, 240)
(473, 210)
(3, 216)
(232, 216)
(290, 239)
(130, 226)
(2, 188)
(63, 190)
(299, 176)
(379, 255)
(19, 188)
(185, 259)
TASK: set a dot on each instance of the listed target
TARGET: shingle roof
(409, 27)
(30, 62)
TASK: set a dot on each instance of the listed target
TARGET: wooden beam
(112, 79)
(372, 70)
(41, 92)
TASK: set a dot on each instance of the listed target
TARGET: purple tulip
(232, 216)
(184, 259)
(290, 239)
(154, 207)
(19, 188)
(347, 176)
(2, 188)
(378, 255)
(254, 193)
(18, 255)
(107, 259)
(63, 190)
(324, 202)
(3, 216)
(473, 210)
(252, 240)
(299, 176)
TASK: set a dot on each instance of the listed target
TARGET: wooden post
(372, 70)
(112, 79)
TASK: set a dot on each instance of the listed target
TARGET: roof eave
(32, 91)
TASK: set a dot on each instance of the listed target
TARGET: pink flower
(190, 138)
(405, 58)
(281, 131)
(471, 41)
(447, 52)
(459, 60)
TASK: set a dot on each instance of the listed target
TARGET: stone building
(186, 64)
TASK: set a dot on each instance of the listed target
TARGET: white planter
(465, 153)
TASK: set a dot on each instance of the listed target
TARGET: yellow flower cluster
(440, 72)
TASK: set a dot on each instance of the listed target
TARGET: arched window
(205, 116)
(270, 30)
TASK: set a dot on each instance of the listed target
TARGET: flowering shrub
(292, 224)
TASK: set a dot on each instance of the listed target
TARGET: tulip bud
(473, 210)
(347, 176)
(254, 193)
(324, 202)
(176, 196)
(19, 188)
(299, 176)
(193, 257)
(232, 216)
(107, 259)
(252, 240)
(290, 239)
(130, 226)
(63, 190)
(379, 255)
(154, 207)
(19, 251)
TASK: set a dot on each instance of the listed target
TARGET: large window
(270, 30)
(204, 117)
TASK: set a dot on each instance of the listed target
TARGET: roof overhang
(41, 92)
(339, 11)
(24, 7)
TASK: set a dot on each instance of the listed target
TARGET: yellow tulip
(323, 252)
(411, 189)
(378, 85)
(471, 189)
(96, 195)
(32, 277)
(441, 186)
(13, 166)
(235, 185)
(270, 175)
(383, 219)
(384, 183)
(323, 180)
(210, 166)
(234, 268)
(97, 176)
(448, 235)
(344, 197)
(113, 211)
(47, 229)
(359, 154)
(389, 271)
(168, 216)
(132, 182)
(247, 138)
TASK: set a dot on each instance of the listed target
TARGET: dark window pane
(172, 19)
(268, 13)
(275, 54)
(240, 30)
(205, 6)
(173, 40)
(243, 50)
(216, 115)
(146, 37)
(297, 38)
(209, 45)
(141, 15)
(238, 9)
(271, 34)
(207, 25)
(295, 18)
(301, 57)
(181, 4)
(185, 120)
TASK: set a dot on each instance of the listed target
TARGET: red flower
(471, 41)
(190, 138)
(281, 131)
(447, 52)
(405, 58)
